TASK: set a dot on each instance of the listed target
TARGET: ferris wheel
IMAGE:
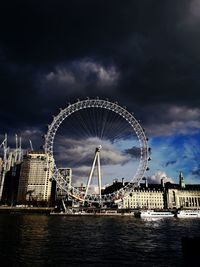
(99, 127)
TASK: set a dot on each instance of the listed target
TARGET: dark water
(39, 240)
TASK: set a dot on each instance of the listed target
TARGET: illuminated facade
(35, 177)
(151, 197)
(186, 196)
(158, 196)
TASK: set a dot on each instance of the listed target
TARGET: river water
(41, 240)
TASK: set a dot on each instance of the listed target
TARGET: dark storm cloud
(144, 54)
(80, 152)
(80, 76)
(133, 152)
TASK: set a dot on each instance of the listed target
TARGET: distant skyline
(144, 54)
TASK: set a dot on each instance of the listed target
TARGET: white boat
(188, 214)
(155, 214)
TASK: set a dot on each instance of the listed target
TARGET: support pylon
(95, 161)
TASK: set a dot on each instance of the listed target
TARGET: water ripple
(39, 240)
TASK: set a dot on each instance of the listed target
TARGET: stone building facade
(144, 197)
(35, 177)
(186, 196)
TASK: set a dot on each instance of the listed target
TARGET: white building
(151, 197)
(35, 177)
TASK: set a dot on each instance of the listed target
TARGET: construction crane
(18, 149)
(5, 148)
(10, 158)
(5, 164)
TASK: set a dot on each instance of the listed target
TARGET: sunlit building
(158, 196)
(144, 197)
(183, 195)
(35, 177)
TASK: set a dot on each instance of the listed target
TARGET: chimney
(115, 181)
(122, 181)
(146, 183)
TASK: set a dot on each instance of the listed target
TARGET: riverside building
(35, 177)
(163, 196)
(186, 196)
(10, 187)
(144, 197)
(9, 177)
(158, 196)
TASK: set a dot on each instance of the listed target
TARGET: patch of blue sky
(176, 153)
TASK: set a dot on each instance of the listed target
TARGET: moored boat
(188, 214)
(155, 214)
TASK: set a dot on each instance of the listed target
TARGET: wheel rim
(103, 104)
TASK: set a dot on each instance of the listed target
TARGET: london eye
(101, 142)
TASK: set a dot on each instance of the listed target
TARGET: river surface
(40, 240)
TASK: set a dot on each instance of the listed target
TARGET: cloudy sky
(143, 54)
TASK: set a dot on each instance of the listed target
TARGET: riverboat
(188, 214)
(155, 214)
